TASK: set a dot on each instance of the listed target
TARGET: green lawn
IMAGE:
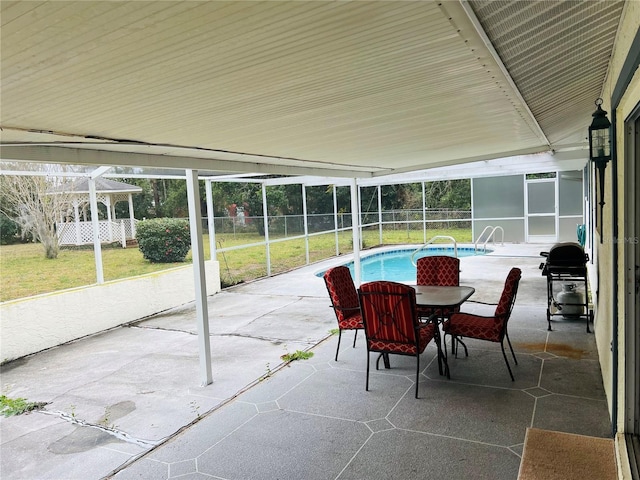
(25, 272)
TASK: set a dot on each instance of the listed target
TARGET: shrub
(164, 240)
(8, 230)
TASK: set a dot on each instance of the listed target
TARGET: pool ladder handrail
(446, 237)
(489, 237)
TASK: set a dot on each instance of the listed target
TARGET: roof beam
(92, 156)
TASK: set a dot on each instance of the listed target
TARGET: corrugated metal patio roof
(325, 88)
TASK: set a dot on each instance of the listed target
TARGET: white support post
(213, 253)
(132, 218)
(305, 222)
(380, 212)
(473, 234)
(266, 229)
(200, 282)
(424, 215)
(355, 229)
(360, 231)
(123, 235)
(97, 247)
(335, 219)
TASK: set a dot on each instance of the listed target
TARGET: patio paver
(309, 419)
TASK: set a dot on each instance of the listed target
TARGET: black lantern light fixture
(600, 145)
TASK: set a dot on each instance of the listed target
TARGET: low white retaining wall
(36, 323)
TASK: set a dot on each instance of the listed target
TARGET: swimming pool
(395, 265)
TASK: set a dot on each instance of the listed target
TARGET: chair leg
(446, 363)
(355, 336)
(455, 343)
(368, 361)
(338, 347)
(460, 342)
(504, 354)
(442, 354)
(444, 346)
(417, 373)
(385, 358)
(512, 353)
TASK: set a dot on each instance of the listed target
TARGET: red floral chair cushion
(474, 326)
(345, 302)
(439, 270)
(391, 321)
(344, 297)
(425, 335)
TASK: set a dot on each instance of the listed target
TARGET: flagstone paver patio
(309, 419)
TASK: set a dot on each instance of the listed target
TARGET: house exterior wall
(44, 321)
(625, 238)
(604, 242)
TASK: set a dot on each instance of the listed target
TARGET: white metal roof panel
(370, 87)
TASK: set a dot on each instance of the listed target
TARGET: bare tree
(36, 202)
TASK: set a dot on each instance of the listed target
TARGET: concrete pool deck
(127, 403)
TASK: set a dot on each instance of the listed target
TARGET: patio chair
(493, 328)
(344, 299)
(438, 270)
(391, 322)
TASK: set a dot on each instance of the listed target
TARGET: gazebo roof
(103, 185)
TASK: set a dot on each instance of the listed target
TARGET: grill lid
(567, 254)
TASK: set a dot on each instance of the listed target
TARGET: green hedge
(164, 240)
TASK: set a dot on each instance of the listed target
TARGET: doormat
(550, 455)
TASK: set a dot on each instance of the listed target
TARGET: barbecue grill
(566, 264)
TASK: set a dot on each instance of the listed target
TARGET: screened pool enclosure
(503, 202)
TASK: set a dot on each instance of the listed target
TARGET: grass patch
(25, 272)
(17, 406)
(297, 355)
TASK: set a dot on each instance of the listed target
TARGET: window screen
(498, 197)
(571, 193)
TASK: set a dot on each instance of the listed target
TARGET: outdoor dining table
(439, 298)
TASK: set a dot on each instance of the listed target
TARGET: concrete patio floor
(128, 403)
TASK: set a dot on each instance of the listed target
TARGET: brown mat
(549, 455)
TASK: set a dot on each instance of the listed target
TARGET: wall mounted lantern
(600, 146)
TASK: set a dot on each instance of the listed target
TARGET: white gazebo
(78, 230)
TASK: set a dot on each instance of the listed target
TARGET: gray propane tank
(569, 295)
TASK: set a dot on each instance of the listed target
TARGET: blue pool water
(396, 266)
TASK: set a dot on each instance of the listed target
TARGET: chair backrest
(389, 312)
(508, 297)
(440, 270)
(342, 292)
